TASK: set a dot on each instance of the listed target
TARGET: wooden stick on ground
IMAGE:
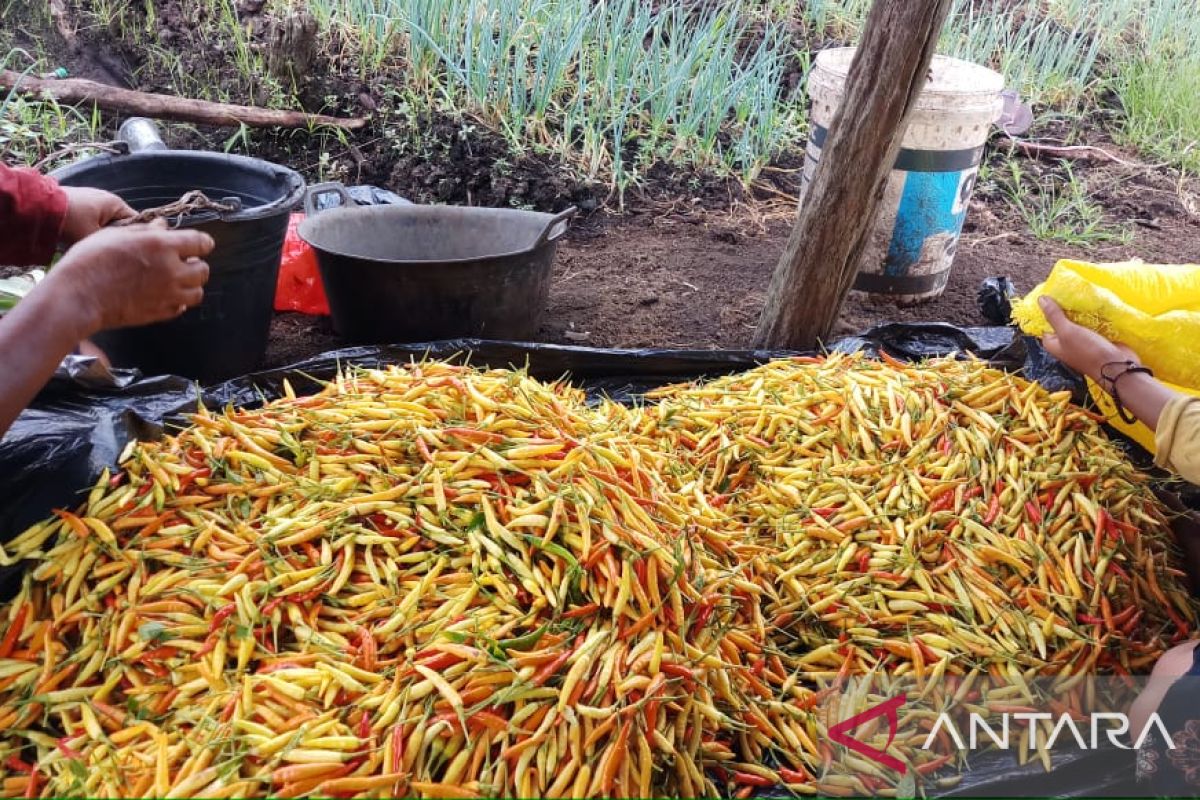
(1079, 152)
(161, 106)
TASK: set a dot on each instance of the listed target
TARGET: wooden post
(817, 269)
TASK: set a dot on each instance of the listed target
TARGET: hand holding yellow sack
(1152, 309)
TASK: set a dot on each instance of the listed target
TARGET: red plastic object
(299, 287)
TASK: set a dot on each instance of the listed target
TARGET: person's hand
(134, 275)
(1081, 349)
(89, 210)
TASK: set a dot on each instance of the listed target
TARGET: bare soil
(698, 280)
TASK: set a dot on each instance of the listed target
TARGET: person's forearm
(1144, 397)
(34, 337)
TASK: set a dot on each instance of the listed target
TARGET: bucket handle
(317, 190)
(556, 227)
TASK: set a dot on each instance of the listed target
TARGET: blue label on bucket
(933, 204)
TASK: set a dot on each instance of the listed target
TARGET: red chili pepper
(17, 765)
(262, 635)
(207, 647)
(191, 477)
(933, 766)
(582, 611)
(825, 511)
(440, 661)
(1181, 626)
(1110, 526)
(945, 445)
(230, 707)
(639, 569)
(993, 510)
(864, 560)
(222, 615)
(308, 596)
(1122, 617)
(488, 719)
(793, 775)
(930, 656)
(546, 672)
(944, 502)
(270, 606)
(750, 779)
(31, 790)
(157, 670)
(364, 727)
(1088, 619)
(884, 575)
(1034, 513)
(159, 653)
(678, 671)
(14, 631)
(397, 746)
(704, 610)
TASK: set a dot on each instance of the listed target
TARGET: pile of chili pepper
(422, 581)
(938, 522)
(438, 581)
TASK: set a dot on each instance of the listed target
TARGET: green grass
(612, 88)
(1060, 208)
(32, 131)
(1159, 84)
(608, 87)
(1162, 110)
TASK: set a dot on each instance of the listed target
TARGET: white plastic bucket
(912, 247)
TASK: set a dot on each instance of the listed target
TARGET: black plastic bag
(995, 300)
(57, 448)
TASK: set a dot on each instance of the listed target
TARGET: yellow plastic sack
(1153, 309)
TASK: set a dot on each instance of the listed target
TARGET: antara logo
(1118, 726)
(997, 731)
(840, 732)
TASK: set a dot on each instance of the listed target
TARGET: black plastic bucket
(225, 335)
(408, 273)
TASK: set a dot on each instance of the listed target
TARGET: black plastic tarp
(77, 427)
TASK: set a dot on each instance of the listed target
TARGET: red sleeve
(32, 209)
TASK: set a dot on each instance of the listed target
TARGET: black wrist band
(1112, 372)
